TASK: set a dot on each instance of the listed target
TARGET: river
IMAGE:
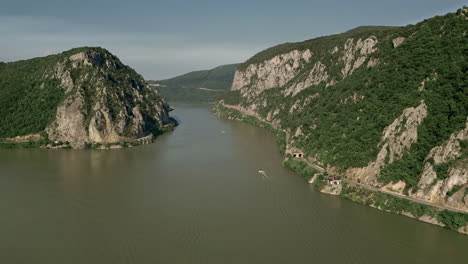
(195, 196)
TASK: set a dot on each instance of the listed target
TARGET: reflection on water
(195, 196)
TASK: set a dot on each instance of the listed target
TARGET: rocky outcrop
(271, 73)
(397, 138)
(317, 75)
(356, 53)
(300, 104)
(106, 102)
(398, 41)
(289, 70)
(68, 125)
(435, 189)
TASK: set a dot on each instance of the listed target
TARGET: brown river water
(195, 196)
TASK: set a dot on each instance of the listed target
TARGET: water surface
(195, 196)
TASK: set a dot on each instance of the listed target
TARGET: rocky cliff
(97, 101)
(386, 107)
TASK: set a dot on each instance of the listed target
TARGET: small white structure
(335, 182)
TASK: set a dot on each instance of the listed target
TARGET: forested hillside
(80, 97)
(198, 86)
(384, 106)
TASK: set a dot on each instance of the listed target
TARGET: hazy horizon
(168, 39)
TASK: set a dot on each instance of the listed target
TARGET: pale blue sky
(162, 39)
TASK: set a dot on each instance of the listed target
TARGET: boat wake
(263, 173)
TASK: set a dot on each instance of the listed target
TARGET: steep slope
(198, 86)
(386, 107)
(78, 98)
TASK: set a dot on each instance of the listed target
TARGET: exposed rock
(404, 131)
(397, 187)
(298, 132)
(297, 106)
(408, 214)
(373, 62)
(22, 139)
(398, 41)
(355, 98)
(333, 189)
(69, 122)
(422, 85)
(335, 50)
(428, 185)
(272, 114)
(330, 83)
(432, 189)
(97, 110)
(459, 199)
(80, 58)
(430, 220)
(317, 75)
(271, 73)
(463, 229)
(361, 49)
(397, 137)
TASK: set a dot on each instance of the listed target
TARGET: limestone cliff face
(379, 106)
(396, 138)
(297, 70)
(432, 187)
(269, 74)
(105, 101)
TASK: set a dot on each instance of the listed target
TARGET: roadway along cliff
(386, 107)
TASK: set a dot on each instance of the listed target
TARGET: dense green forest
(28, 99)
(186, 88)
(348, 134)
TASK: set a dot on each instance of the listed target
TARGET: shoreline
(448, 218)
(41, 140)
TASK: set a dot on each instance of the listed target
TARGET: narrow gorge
(384, 107)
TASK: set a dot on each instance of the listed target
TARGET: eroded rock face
(397, 137)
(433, 189)
(317, 75)
(398, 41)
(69, 122)
(106, 102)
(281, 69)
(272, 73)
(355, 53)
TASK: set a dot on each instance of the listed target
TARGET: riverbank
(433, 214)
(41, 140)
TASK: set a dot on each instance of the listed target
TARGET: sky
(163, 39)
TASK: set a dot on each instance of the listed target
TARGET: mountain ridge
(197, 86)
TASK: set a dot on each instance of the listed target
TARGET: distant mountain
(386, 107)
(81, 97)
(197, 86)
(363, 29)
